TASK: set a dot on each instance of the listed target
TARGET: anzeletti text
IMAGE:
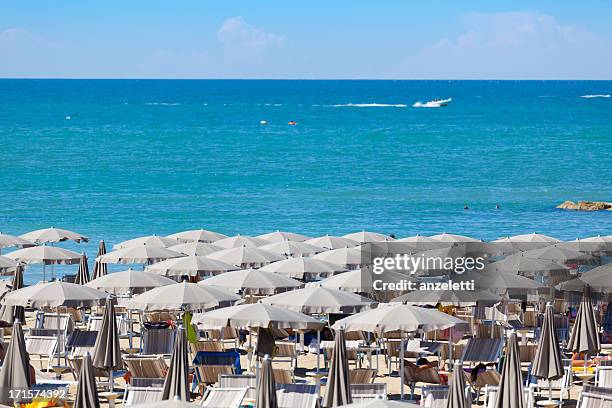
(404, 285)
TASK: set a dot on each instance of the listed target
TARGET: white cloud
(513, 45)
(239, 37)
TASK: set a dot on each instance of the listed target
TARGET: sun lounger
(362, 375)
(223, 397)
(603, 376)
(80, 342)
(560, 386)
(595, 397)
(286, 351)
(141, 395)
(158, 341)
(434, 396)
(414, 374)
(239, 381)
(297, 396)
(362, 392)
(491, 396)
(146, 366)
(206, 345)
(43, 347)
(283, 376)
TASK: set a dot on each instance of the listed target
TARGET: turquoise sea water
(139, 157)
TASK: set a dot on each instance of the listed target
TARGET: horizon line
(296, 79)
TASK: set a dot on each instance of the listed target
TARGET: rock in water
(586, 205)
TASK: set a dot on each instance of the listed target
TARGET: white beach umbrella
(141, 254)
(195, 248)
(253, 282)
(304, 268)
(129, 281)
(45, 255)
(183, 296)
(191, 266)
(50, 235)
(606, 241)
(279, 236)
(292, 248)
(555, 253)
(149, 240)
(599, 279)
(256, 315)
(332, 242)
(501, 281)
(349, 258)
(320, 300)
(246, 257)
(524, 242)
(368, 236)
(239, 241)
(453, 238)
(54, 294)
(419, 243)
(587, 247)
(7, 264)
(447, 297)
(200, 235)
(9, 241)
(354, 281)
(523, 265)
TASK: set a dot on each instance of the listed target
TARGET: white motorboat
(436, 103)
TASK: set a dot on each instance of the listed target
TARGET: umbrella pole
(44, 272)
(318, 349)
(401, 354)
(450, 350)
(59, 338)
(549, 391)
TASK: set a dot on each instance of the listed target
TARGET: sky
(450, 39)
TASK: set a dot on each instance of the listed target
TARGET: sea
(117, 159)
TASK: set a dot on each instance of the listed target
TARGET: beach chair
(80, 342)
(146, 366)
(603, 376)
(286, 351)
(158, 341)
(42, 348)
(414, 374)
(76, 362)
(363, 392)
(434, 396)
(141, 395)
(209, 365)
(206, 345)
(527, 352)
(223, 397)
(239, 381)
(491, 396)
(595, 397)
(484, 379)
(362, 376)
(297, 396)
(283, 376)
(560, 386)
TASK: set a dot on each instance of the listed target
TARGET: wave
(371, 105)
(273, 104)
(596, 96)
(162, 103)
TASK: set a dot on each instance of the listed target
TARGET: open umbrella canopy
(556, 253)
(138, 255)
(605, 241)
(8, 241)
(453, 238)
(256, 315)
(447, 297)
(44, 254)
(253, 282)
(420, 243)
(523, 265)
(501, 281)
(246, 257)
(149, 240)
(279, 236)
(7, 264)
(354, 281)
(239, 241)
(48, 235)
(54, 294)
(191, 266)
(331, 242)
(200, 235)
(304, 268)
(585, 246)
(293, 248)
(346, 257)
(182, 296)
(320, 300)
(129, 281)
(599, 279)
(195, 248)
(395, 317)
(585, 332)
(368, 236)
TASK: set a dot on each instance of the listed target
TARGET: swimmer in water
(465, 207)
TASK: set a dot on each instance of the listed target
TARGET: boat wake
(370, 105)
(596, 96)
(161, 104)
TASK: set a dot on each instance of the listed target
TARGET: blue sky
(315, 39)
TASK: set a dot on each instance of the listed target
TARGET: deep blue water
(145, 156)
